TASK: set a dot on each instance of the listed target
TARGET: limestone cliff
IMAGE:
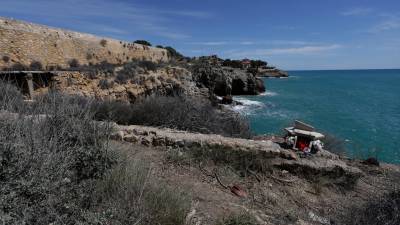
(23, 42)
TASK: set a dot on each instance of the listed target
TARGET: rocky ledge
(262, 154)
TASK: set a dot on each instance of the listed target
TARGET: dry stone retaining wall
(25, 42)
(263, 153)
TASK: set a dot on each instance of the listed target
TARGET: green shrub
(142, 42)
(148, 65)
(106, 84)
(173, 53)
(6, 59)
(19, 67)
(103, 42)
(73, 63)
(36, 65)
(49, 159)
(11, 98)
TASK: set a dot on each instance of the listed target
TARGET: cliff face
(22, 42)
(26, 43)
(166, 81)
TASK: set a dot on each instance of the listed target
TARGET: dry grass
(241, 219)
(383, 210)
(49, 161)
(132, 195)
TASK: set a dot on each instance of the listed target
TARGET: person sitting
(316, 146)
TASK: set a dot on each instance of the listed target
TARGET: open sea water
(362, 107)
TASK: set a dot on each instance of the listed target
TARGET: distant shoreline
(337, 70)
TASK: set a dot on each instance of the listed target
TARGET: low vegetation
(6, 59)
(131, 195)
(385, 210)
(49, 161)
(106, 84)
(241, 219)
(173, 53)
(142, 42)
(36, 66)
(178, 113)
(58, 167)
(74, 63)
(103, 42)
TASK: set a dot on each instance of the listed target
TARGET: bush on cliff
(181, 113)
(36, 66)
(19, 67)
(6, 59)
(142, 42)
(106, 84)
(173, 53)
(74, 63)
(103, 42)
(232, 63)
(148, 65)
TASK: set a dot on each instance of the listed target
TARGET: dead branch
(282, 180)
(254, 174)
(219, 181)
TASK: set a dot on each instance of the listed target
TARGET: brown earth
(275, 197)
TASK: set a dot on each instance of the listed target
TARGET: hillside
(25, 42)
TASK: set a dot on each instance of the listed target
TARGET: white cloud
(107, 17)
(357, 12)
(391, 22)
(264, 42)
(304, 50)
(247, 43)
(212, 43)
(289, 42)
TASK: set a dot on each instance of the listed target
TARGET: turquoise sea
(362, 107)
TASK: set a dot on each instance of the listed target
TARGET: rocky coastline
(77, 106)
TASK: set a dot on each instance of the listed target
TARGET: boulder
(227, 100)
(131, 138)
(118, 136)
(158, 141)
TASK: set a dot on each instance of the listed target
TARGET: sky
(289, 34)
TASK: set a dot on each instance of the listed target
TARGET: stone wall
(26, 42)
(261, 154)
